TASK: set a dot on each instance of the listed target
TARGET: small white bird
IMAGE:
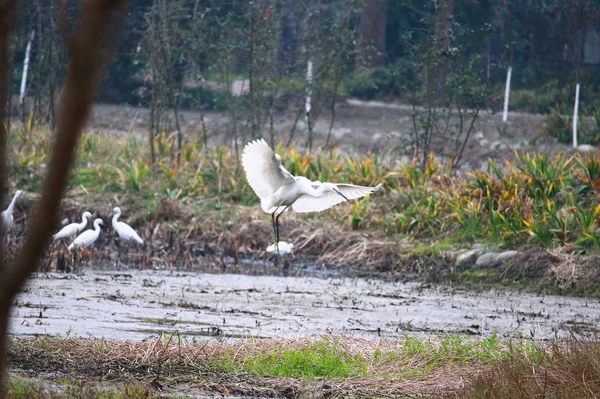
(88, 237)
(282, 248)
(278, 189)
(7, 215)
(74, 228)
(123, 229)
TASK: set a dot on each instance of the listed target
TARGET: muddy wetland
(137, 305)
(373, 301)
(305, 334)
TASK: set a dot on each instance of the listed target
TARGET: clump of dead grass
(444, 367)
(388, 365)
(559, 370)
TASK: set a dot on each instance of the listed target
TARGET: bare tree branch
(7, 14)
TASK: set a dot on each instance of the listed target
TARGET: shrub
(375, 83)
(560, 127)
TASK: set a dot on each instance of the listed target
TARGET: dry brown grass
(169, 361)
(220, 238)
(566, 370)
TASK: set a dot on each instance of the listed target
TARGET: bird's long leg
(277, 227)
(274, 227)
(128, 250)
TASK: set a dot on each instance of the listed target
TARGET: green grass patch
(321, 359)
(432, 248)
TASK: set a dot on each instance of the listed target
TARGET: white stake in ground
(575, 111)
(506, 95)
(25, 68)
(309, 83)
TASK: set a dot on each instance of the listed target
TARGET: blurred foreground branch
(91, 46)
(7, 13)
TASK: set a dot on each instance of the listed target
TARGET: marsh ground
(137, 305)
(414, 339)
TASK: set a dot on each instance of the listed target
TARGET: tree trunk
(443, 22)
(4, 309)
(371, 28)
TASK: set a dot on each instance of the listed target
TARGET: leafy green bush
(375, 83)
(524, 100)
(560, 127)
(554, 94)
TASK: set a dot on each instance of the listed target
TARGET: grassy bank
(203, 204)
(454, 366)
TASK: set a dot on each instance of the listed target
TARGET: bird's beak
(340, 193)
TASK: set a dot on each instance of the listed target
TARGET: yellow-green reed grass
(360, 210)
(135, 174)
(163, 144)
(587, 220)
(589, 174)
(415, 177)
(469, 216)
(328, 166)
(189, 152)
(544, 177)
(533, 199)
(88, 143)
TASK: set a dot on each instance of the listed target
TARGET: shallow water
(135, 305)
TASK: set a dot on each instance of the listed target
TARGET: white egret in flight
(74, 228)
(278, 189)
(123, 229)
(7, 215)
(88, 237)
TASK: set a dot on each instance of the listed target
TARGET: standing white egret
(7, 215)
(123, 229)
(278, 189)
(88, 237)
(73, 228)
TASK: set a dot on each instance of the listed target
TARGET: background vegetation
(189, 54)
(537, 199)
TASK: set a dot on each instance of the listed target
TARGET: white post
(506, 95)
(25, 68)
(575, 111)
(309, 83)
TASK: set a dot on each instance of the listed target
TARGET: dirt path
(135, 305)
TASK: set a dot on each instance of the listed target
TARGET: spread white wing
(306, 203)
(264, 170)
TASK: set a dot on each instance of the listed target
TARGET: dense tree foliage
(189, 53)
